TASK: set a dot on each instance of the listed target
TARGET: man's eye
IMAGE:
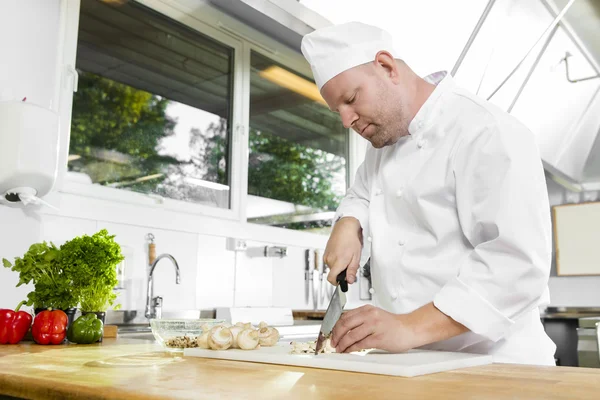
(351, 100)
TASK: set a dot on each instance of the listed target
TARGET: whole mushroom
(268, 336)
(220, 338)
(248, 339)
(244, 325)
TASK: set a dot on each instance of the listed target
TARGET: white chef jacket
(457, 213)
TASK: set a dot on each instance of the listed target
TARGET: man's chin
(379, 143)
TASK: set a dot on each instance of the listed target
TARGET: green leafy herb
(41, 265)
(90, 262)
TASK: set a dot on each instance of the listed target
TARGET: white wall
(211, 276)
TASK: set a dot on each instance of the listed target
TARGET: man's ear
(386, 61)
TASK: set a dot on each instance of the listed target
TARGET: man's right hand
(343, 249)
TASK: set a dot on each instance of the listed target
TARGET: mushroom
(268, 336)
(248, 339)
(220, 338)
(327, 348)
(263, 324)
(202, 340)
(235, 330)
(246, 325)
(206, 327)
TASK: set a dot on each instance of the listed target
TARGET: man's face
(368, 101)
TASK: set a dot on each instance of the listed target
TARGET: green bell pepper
(85, 329)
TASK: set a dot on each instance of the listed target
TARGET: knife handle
(341, 279)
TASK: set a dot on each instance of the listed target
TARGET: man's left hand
(370, 327)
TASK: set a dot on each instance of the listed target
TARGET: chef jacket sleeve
(504, 213)
(356, 202)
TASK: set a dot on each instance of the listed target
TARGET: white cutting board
(411, 363)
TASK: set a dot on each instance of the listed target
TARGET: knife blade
(316, 282)
(307, 275)
(334, 310)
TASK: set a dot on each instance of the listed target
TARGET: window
(152, 113)
(298, 150)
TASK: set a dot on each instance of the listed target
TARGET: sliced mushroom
(268, 336)
(248, 339)
(220, 338)
(327, 348)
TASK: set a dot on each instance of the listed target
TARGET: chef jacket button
(378, 192)
(399, 193)
(420, 124)
(372, 291)
(369, 239)
(421, 143)
(401, 242)
(394, 296)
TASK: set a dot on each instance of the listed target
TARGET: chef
(450, 201)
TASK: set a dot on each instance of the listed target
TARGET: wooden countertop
(135, 369)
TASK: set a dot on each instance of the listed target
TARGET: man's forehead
(342, 82)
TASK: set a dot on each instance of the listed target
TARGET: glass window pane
(152, 113)
(298, 147)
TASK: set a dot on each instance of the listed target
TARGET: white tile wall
(288, 278)
(182, 246)
(208, 270)
(58, 230)
(253, 279)
(18, 230)
(215, 277)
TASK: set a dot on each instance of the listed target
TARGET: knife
(322, 277)
(334, 311)
(316, 287)
(307, 280)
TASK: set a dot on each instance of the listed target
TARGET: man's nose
(348, 117)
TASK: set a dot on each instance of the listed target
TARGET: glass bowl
(177, 334)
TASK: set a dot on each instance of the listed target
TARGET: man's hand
(343, 249)
(370, 327)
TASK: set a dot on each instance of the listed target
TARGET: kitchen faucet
(154, 304)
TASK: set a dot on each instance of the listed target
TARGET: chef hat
(335, 49)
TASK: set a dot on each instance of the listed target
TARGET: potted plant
(91, 262)
(52, 285)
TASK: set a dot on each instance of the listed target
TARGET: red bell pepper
(50, 327)
(14, 324)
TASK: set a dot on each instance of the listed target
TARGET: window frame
(202, 17)
(296, 63)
